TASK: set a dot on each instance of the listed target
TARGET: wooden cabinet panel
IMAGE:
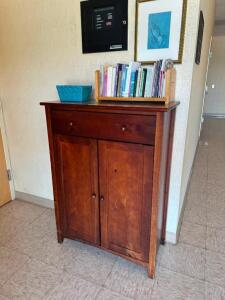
(121, 127)
(125, 175)
(77, 169)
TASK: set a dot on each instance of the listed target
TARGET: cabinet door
(77, 169)
(126, 172)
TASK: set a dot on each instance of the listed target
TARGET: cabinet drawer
(121, 127)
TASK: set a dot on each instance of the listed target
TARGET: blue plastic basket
(74, 93)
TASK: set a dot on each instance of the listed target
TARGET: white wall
(183, 93)
(215, 99)
(219, 30)
(40, 46)
(197, 96)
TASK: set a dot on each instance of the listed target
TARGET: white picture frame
(160, 29)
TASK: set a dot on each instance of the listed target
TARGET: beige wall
(219, 30)
(197, 96)
(40, 46)
(215, 99)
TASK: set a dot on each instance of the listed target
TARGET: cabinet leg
(151, 270)
(162, 242)
(60, 237)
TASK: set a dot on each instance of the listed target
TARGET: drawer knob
(124, 128)
(102, 198)
(94, 196)
(71, 124)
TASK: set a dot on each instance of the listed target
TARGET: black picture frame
(200, 38)
(97, 36)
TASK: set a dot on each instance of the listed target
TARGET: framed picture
(200, 38)
(160, 29)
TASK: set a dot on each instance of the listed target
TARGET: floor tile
(3, 297)
(216, 196)
(184, 259)
(216, 180)
(46, 221)
(173, 286)
(26, 240)
(92, 264)
(73, 288)
(130, 280)
(201, 158)
(198, 186)
(10, 227)
(196, 199)
(215, 240)
(32, 281)
(195, 214)
(63, 256)
(193, 234)
(45, 247)
(215, 217)
(109, 295)
(214, 292)
(22, 210)
(215, 268)
(10, 262)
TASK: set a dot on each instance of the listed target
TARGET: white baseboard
(171, 238)
(34, 199)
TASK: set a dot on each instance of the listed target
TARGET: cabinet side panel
(52, 149)
(163, 170)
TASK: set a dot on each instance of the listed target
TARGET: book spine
(128, 81)
(147, 83)
(154, 79)
(109, 81)
(105, 81)
(135, 84)
(143, 82)
(150, 82)
(118, 94)
(118, 69)
(132, 85)
(124, 77)
(139, 82)
(101, 80)
(113, 81)
(158, 78)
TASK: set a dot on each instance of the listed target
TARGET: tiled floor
(34, 266)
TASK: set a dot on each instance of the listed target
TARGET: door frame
(206, 85)
(6, 150)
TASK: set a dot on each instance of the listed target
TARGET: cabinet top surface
(112, 106)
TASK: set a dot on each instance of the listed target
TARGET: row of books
(133, 80)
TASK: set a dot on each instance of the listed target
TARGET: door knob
(94, 196)
(101, 198)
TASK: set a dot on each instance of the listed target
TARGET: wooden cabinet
(77, 169)
(111, 168)
(125, 176)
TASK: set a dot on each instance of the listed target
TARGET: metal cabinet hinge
(9, 174)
